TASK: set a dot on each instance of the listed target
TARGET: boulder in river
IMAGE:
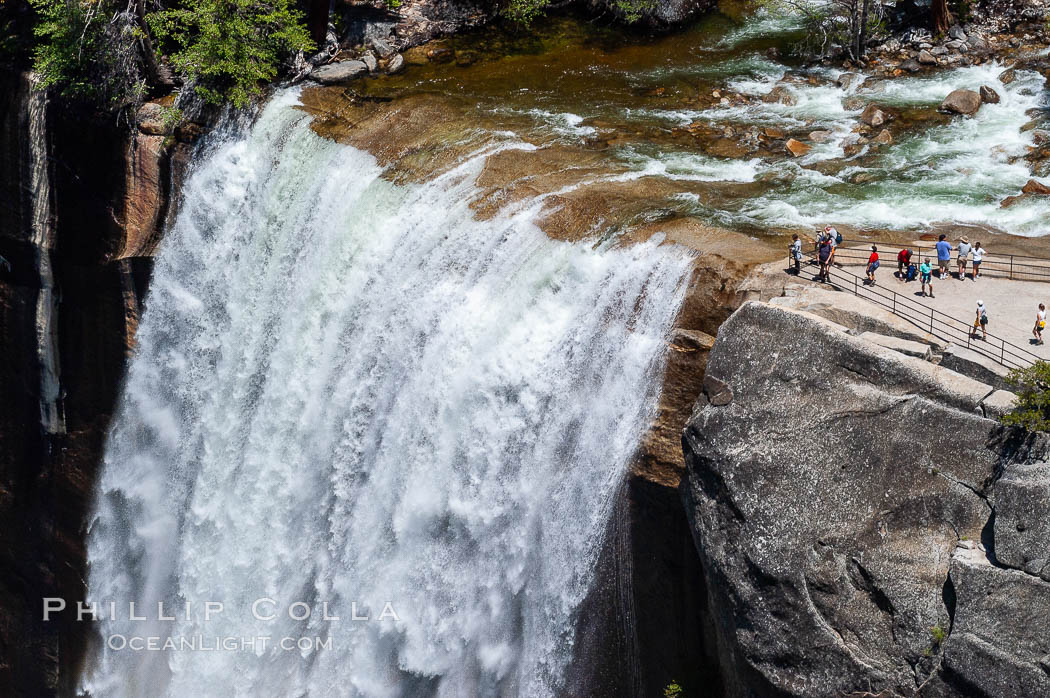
(836, 503)
(339, 72)
(965, 102)
(382, 47)
(989, 96)
(884, 137)
(1035, 187)
(848, 81)
(1008, 76)
(780, 95)
(927, 58)
(874, 116)
(395, 64)
(820, 136)
(797, 148)
(369, 59)
(911, 65)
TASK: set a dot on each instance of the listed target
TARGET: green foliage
(1032, 385)
(228, 47)
(87, 49)
(673, 690)
(938, 634)
(526, 11)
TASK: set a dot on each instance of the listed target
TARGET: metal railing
(1015, 267)
(944, 327)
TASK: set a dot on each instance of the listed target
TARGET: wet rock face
(826, 496)
(109, 193)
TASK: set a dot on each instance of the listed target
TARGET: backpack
(838, 238)
(910, 274)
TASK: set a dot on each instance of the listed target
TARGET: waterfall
(351, 398)
(42, 233)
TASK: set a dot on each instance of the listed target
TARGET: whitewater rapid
(354, 395)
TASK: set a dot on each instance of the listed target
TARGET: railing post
(931, 320)
(1011, 266)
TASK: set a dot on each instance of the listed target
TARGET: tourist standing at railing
(978, 257)
(981, 321)
(795, 251)
(825, 253)
(926, 276)
(1040, 324)
(964, 255)
(873, 264)
(944, 256)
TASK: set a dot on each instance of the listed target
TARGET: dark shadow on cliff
(645, 623)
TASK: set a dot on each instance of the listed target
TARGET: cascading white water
(352, 393)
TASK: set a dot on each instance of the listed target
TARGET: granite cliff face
(857, 512)
(84, 202)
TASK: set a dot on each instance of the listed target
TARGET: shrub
(88, 49)
(229, 47)
(1032, 385)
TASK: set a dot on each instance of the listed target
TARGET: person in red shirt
(903, 262)
(873, 264)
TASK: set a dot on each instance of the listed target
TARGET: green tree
(89, 49)
(845, 24)
(228, 47)
(1032, 385)
(525, 11)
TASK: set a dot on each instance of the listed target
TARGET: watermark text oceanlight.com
(265, 610)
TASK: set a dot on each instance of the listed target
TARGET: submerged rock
(965, 102)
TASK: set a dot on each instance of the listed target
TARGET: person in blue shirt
(944, 255)
(926, 276)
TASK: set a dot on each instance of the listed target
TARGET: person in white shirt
(978, 257)
(981, 321)
(796, 253)
(1040, 324)
(964, 254)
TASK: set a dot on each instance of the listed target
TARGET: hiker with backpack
(1040, 324)
(981, 321)
(926, 277)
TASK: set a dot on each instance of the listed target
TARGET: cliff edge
(865, 525)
